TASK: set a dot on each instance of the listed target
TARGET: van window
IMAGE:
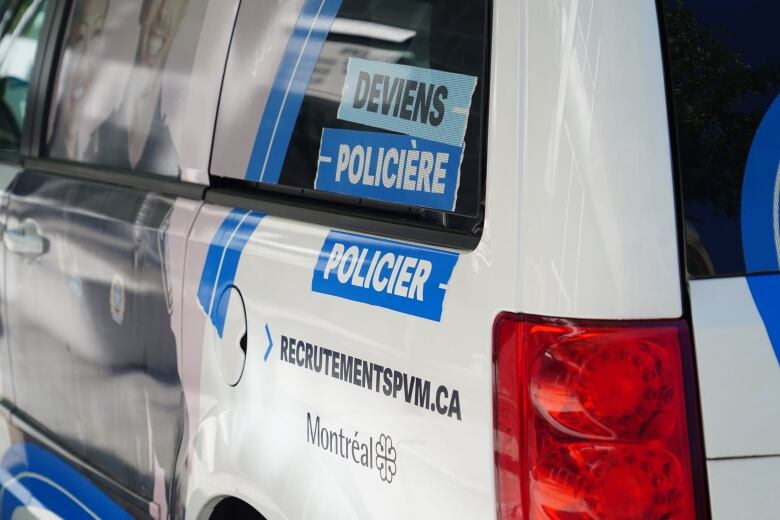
(123, 82)
(20, 26)
(725, 80)
(362, 101)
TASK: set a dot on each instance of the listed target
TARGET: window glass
(365, 101)
(20, 26)
(124, 78)
(725, 75)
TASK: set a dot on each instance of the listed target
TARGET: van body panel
(744, 488)
(598, 235)
(739, 375)
(263, 430)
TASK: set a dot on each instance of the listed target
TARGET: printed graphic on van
(761, 221)
(761, 196)
(369, 453)
(362, 373)
(219, 270)
(389, 167)
(401, 277)
(35, 483)
(289, 87)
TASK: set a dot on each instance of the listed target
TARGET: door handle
(25, 240)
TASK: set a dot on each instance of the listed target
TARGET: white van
(390, 259)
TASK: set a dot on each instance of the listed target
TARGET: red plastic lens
(616, 384)
(591, 420)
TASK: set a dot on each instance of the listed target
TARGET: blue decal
(389, 167)
(34, 478)
(426, 103)
(766, 293)
(270, 344)
(760, 225)
(397, 276)
(760, 191)
(219, 270)
(292, 78)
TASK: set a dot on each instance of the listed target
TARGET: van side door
(110, 192)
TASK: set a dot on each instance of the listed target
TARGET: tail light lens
(591, 420)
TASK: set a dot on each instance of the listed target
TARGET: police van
(514, 259)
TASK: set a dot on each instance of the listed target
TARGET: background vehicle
(389, 259)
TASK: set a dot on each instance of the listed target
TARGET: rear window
(725, 79)
(370, 102)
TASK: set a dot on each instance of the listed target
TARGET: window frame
(16, 157)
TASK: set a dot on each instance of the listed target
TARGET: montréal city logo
(370, 453)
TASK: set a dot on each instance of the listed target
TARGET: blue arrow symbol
(270, 343)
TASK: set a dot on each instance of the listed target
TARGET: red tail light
(591, 420)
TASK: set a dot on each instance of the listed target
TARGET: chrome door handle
(25, 240)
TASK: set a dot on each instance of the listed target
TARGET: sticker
(37, 483)
(219, 269)
(116, 299)
(389, 167)
(286, 96)
(401, 277)
(368, 452)
(361, 373)
(761, 196)
(761, 220)
(426, 103)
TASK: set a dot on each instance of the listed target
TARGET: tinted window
(123, 83)
(725, 75)
(20, 27)
(388, 111)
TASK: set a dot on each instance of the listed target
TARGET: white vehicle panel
(739, 376)
(598, 236)
(744, 488)
(258, 429)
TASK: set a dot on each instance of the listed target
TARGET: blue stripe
(286, 96)
(229, 267)
(766, 293)
(758, 191)
(380, 272)
(214, 257)
(28, 469)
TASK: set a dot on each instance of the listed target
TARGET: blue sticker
(33, 478)
(292, 78)
(766, 293)
(389, 167)
(219, 269)
(426, 103)
(397, 276)
(760, 224)
(760, 196)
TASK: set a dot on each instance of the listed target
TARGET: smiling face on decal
(83, 45)
(159, 21)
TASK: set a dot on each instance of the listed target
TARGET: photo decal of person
(135, 134)
(69, 135)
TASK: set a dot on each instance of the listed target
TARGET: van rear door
(725, 84)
